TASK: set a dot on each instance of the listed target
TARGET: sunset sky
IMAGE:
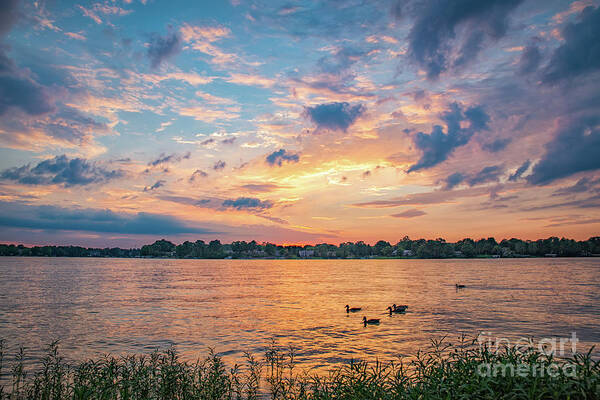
(122, 122)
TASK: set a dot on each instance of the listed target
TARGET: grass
(442, 372)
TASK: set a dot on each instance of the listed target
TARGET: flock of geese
(393, 309)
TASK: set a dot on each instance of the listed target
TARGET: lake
(97, 306)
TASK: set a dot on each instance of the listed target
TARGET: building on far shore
(306, 253)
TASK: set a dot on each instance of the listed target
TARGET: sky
(125, 121)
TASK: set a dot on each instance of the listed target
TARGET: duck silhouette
(372, 321)
(397, 309)
(353, 309)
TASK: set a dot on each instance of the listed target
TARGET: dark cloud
(18, 90)
(61, 170)
(412, 213)
(454, 180)
(16, 215)
(190, 201)
(156, 185)
(251, 203)
(433, 40)
(171, 158)
(437, 145)
(207, 142)
(334, 116)
(162, 48)
(592, 202)
(280, 156)
(487, 174)
(8, 15)
(580, 52)
(582, 222)
(583, 185)
(574, 149)
(198, 174)
(434, 197)
(530, 60)
(496, 146)
(219, 165)
(520, 171)
(230, 140)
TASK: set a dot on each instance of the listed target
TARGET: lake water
(96, 306)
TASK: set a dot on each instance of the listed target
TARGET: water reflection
(94, 306)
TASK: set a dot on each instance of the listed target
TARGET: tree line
(405, 248)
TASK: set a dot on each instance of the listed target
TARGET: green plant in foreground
(444, 372)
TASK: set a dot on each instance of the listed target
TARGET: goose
(459, 286)
(397, 309)
(372, 321)
(353, 309)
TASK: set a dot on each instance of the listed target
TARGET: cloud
(202, 38)
(437, 146)
(219, 165)
(53, 218)
(412, 213)
(156, 185)
(165, 159)
(487, 174)
(209, 115)
(583, 185)
(520, 171)
(18, 90)
(574, 149)
(198, 174)
(162, 48)
(432, 38)
(592, 202)
(433, 197)
(250, 80)
(342, 59)
(530, 60)
(251, 203)
(322, 19)
(8, 15)
(207, 142)
(454, 180)
(580, 52)
(66, 127)
(280, 156)
(261, 187)
(106, 9)
(497, 145)
(61, 171)
(334, 116)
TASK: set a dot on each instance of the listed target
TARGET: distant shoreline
(309, 259)
(404, 249)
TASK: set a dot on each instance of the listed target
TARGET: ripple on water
(97, 306)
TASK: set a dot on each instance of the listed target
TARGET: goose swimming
(397, 309)
(353, 309)
(372, 321)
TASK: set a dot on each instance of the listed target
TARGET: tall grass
(442, 372)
